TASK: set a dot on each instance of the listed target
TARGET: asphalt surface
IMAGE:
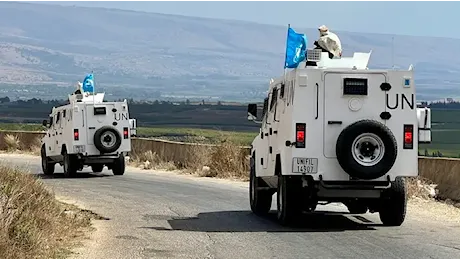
(165, 215)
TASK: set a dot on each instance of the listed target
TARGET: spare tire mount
(107, 139)
(366, 149)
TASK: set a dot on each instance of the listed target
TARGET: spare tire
(366, 149)
(107, 139)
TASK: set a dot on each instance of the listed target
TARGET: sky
(406, 18)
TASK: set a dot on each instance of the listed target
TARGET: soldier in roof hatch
(328, 42)
(78, 90)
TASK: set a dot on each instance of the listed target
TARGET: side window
(274, 98)
(63, 113)
(282, 90)
(58, 117)
(264, 110)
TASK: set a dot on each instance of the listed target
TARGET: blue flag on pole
(296, 49)
(88, 83)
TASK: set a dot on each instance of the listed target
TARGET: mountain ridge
(163, 55)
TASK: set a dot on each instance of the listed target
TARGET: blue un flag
(88, 83)
(296, 49)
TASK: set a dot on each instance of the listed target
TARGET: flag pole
(285, 55)
(94, 88)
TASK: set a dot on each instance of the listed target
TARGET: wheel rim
(108, 139)
(368, 149)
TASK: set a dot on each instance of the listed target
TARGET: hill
(45, 49)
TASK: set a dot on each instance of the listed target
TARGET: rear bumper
(338, 190)
(354, 185)
(90, 159)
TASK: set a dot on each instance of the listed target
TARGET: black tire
(260, 200)
(70, 164)
(47, 166)
(394, 203)
(355, 207)
(97, 168)
(106, 134)
(377, 132)
(289, 201)
(118, 167)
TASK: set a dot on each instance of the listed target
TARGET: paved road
(163, 215)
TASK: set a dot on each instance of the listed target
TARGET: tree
(5, 100)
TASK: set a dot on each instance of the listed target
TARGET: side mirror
(45, 123)
(252, 112)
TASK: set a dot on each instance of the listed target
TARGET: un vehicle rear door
(97, 116)
(350, 97)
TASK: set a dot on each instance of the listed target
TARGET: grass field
(21, 127)
(196, 135)
(445, 133)
(167, 133)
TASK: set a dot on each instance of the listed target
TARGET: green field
(21, 127)
(445, 133)
(167, 133)
(196, 135)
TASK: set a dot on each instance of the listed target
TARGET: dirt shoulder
(33, 223)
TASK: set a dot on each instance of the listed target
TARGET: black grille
(355, 86)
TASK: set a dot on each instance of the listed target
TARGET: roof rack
(359, 60)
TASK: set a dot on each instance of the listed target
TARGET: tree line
(230, 116)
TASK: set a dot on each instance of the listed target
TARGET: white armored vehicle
(333, 130)
(87, 132)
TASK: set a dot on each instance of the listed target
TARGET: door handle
(317, 101)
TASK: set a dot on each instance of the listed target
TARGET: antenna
(393, 51)
(287, 37)
(94, 87)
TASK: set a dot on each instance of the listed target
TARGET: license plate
(79, 148)
(305, 165)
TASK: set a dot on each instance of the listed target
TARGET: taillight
(76, 135)
(300, 135)
(408, 137)
(125, 133)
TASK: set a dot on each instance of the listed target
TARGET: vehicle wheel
(47, 166)
(355, 207)
(289, 203)
(107, 139)
(366, 149)
(393, 204)
(260, 199)
(70, 164)
(97, 167)
(118, 167)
